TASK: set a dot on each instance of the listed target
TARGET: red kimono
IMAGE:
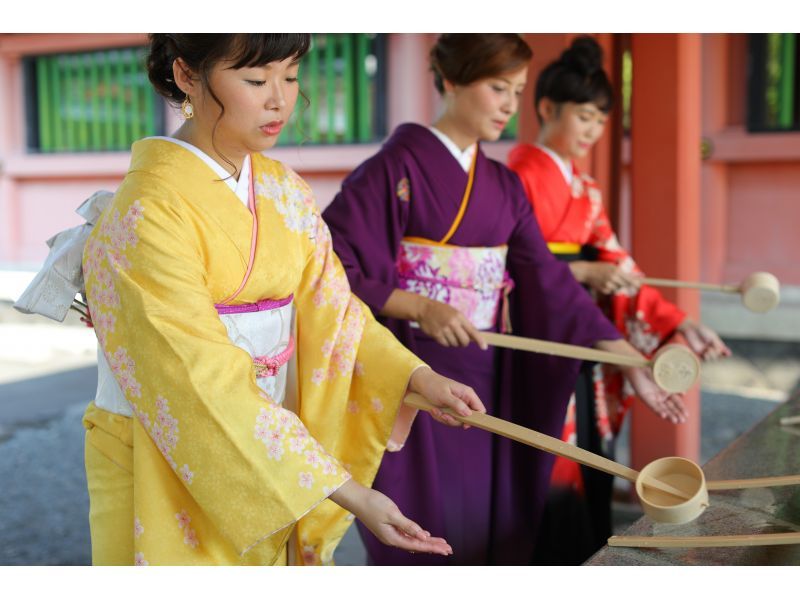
(571, 217)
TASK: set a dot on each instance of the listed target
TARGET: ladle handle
(561, 349)
(547, 443)
(784, 480)
(532, 438)
(704, 541)
(790, 421)
(684, 284)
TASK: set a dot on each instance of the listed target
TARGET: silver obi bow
(52, 291)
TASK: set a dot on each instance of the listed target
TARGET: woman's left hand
(667, 405)
(444, 392)
(703, 341)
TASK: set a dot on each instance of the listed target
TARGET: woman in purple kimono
(440, 242)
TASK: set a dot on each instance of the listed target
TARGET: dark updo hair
(463, 58)
(577, 76)
(201, 51)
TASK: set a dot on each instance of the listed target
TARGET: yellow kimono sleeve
(234, 467)
(352, 374)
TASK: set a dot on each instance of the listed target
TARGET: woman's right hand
(384, 519)
(604, 277)
(447, 326)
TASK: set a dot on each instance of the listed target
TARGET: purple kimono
(482, 493)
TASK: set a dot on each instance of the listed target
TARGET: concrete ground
(47, 377)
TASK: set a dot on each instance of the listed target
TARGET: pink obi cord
(245, 308)
(269, 366)
(505, 311)
(265, 366)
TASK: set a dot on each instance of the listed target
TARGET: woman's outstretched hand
(384, 519)
(444, 392)
(703, 340)
(668, 405)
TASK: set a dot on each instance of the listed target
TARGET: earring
(187, 109)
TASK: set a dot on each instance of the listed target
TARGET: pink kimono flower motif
(285, 420)
(139, 560)
(138, 528)
(352, 407)
(313, 459)
(161, 403)
(319, 299)
(275, 451)
(261, 432)
(144, 419)
(183, 519)
(296, 445)
(329, 467)
(134, 388)
(187, 475)
(190, 538)
(327, 348)
(170, 437)
(265, 416)
(377, 405)
(301, 433)
(103, 277)
(123, 379)
(358, 369)
(163, 418)
(305, 479)
(318, 376)
(136, 211)
(105, 321)
(275, 437)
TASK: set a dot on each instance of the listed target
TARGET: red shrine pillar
(665, 193)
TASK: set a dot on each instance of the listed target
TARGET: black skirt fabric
(576, 525)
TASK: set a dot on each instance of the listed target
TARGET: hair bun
(159, 66)
(584, 55)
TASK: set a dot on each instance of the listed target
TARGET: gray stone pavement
(43, 501)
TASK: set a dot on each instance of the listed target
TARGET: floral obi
(473, 280)
(263, 329)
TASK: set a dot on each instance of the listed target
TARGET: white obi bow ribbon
(53, 289)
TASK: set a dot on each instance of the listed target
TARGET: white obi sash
(263, 329)
(471, 279)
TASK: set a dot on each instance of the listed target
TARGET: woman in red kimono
(573, 97)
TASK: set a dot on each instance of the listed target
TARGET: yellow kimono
(221, 474)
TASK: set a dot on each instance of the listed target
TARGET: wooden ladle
(671, 490)
(761, 291)
(555, 446)
(675, 367)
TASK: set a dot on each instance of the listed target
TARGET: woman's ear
(184, 78)
(449, 87)
(546, 109)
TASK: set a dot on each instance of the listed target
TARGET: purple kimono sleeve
(566, 312)
(367, 221)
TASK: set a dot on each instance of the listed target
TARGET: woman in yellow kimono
(241, 384)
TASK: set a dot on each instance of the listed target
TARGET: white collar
(566, 169)
(241, 187)
(464, 158)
